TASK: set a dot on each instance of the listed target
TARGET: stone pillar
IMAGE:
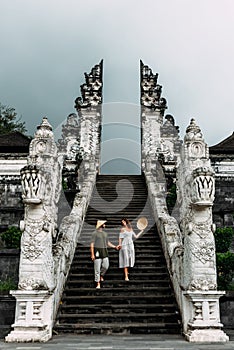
(204, 317)
(152, 111)
(41, 186)
(160, 138)
(33, 316)
(89, 110)
(195, 183)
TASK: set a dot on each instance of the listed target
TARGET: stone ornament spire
(89, 108)
(160, 139)
(150, 90)
(91, 90)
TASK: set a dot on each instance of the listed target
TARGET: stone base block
(207, 336)
(26, 335)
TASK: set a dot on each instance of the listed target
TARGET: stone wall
(9, 264)
(227, 310)
(9, 268)
(11, 207)
(7, 313)
(223, 209)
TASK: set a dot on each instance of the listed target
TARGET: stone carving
(40, 191)
(71, 127)
(202, 285)
(203, 186)
(70, 131)
(203, 250)
(193, 133)
(172, 233)
(160, 141)
(189, 247)
(91, 90)
(195, 193)
(32, 284)
(32, 250)
(33, 184)
(150, 90)
(201, 229)
(41, 185)
(73, 149)
(46, 254)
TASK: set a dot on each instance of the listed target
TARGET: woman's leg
(126, 273)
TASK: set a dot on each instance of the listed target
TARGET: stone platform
(119, 342)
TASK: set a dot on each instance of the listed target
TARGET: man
(99, 252)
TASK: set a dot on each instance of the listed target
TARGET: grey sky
(47, 45)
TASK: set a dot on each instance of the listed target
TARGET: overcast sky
(47, 45)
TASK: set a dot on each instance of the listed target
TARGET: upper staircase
(144, 304)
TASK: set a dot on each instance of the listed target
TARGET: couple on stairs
(99, 249)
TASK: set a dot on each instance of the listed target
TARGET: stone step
(118, 272)
(139, 252)
(145, 303)
(131, 291)
(100, 298)
(141, 261)
(100, 308)
(140, 267)
(126, 317)
(117, 283)
(120, 328)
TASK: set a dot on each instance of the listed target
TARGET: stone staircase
(146, 303)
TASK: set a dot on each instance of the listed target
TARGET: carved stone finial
(150, 90)
(44, 129)
(193, 132)
(91, 90)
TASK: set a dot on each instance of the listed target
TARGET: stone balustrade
(188, 240)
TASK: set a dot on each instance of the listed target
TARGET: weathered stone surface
(7, 313)
(46, 249)
(188, 244)
(9, 264)
(227, 310)
(187, 238)
(222, 161)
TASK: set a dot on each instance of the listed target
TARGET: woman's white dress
(127, 252)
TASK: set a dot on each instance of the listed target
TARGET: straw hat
(142, 223)
(100, 223)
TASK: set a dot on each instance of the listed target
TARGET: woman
(127, 251)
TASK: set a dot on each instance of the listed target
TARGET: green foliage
(223, 239)
(64, 184)
(9, 121)
(7, 285)
(224, 258)
(11, 237)
(225, 270)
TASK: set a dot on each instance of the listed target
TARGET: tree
(9, 121)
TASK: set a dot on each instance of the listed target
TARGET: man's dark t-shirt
(100, 240)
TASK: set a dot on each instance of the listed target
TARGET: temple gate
(47, 249)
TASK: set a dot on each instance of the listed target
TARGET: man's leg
(97, 267)
(104, 266)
